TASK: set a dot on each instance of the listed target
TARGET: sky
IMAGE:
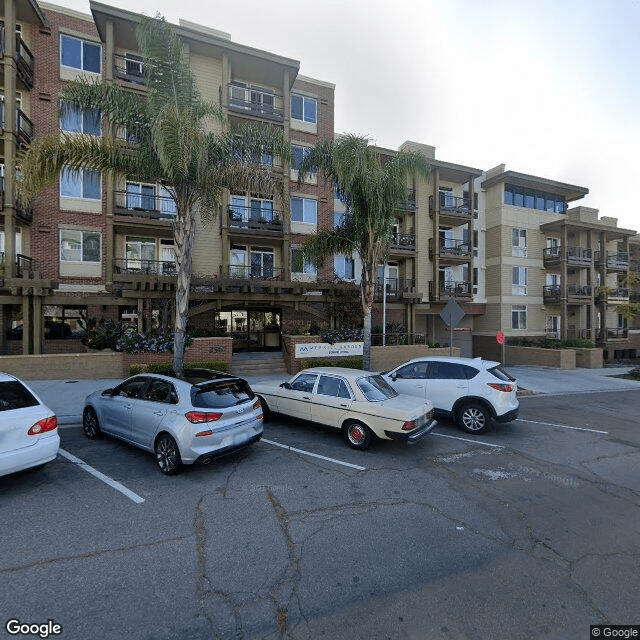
(547, 87)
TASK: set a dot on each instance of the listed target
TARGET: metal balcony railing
(410, 204)
(450, 247)
(451, 289)
(404, 241)
(575, 256)
(450, 205)
(145, 267)
(396, 287)
(579, 291)
(23, 264)
(24, 126)
(128, 203)
(616, 261)
(129, 69)
(24, 58)
(256, 102)
(551, 293)
(618, 333)
(255, 217)
(254, 272)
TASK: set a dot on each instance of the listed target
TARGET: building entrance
(252, 330)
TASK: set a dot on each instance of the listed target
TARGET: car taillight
(500, 387)
(408, 425)
(260, 417)
(204, 433)
(256, 404)
(198, 417)
(42, 426)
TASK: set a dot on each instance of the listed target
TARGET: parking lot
(529, 531)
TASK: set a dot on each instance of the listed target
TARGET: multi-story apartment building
(505, 245)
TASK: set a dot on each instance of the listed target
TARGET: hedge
(167, 367)
(348, 363)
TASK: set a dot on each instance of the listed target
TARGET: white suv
(472, 391)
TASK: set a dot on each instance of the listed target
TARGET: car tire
(91, 424)
(266, 412)
(356, 434)
(167, 455)
(472, 417)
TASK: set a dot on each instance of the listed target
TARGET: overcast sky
(548, 87)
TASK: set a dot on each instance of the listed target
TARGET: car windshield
(376, 388)
(14, 395)
(218, 395)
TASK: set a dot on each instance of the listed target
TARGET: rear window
(376, 388)
(14, 395)
(501, 374)
(218, 395)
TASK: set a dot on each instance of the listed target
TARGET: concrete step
(263, 364)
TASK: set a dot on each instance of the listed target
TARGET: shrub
(346, 334)
(548, 343)
(348, 363)
(167, 367)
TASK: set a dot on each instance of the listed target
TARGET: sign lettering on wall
(324, 349)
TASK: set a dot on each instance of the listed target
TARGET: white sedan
(28, 428)
(359, 403)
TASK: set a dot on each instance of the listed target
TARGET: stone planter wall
(385, 358)
(589, 358)
(561, 358)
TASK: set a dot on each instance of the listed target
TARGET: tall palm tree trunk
(184, 235)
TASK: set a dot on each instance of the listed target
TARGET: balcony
(634, 295)
(254, 219)
(23, 264)
(129, 69)
(618, 333)
(24, 215)
(451, 251)
(614, 261)
(145, 267)
(410, 204)
(616, 295)
(577, 257)
(149, 206)
(397, 289)
(403, 242)
(24, 58)
(579, 294)
(24, 126)
(551, 294)
(452, 209)
(450, 289)
(256, 103)
(575, 333)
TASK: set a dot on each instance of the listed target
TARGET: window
(262, 259)
(465, 199)
(80, 54)
(80, 183)
(533, 199)
(130, 388)
(77, 120)
(80, 246)
(140, 253)
(519, 281)
(141, 196)
(298, 154)
(303, 108)
(300, 265)
(304, 210)
(413, 371)
(304, 382)
(519, 316)
(334, 387)
(344, 267)
(447, 371)
(159, 391)
(519, 243)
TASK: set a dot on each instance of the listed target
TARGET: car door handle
(306, 398)
(127, 406)
(158, 413)
(344, 405)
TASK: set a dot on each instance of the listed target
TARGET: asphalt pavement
(66, 397)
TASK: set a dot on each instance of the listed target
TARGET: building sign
(324, 349)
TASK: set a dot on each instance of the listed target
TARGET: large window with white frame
(304, 108)
(519, 281)
(304, 210)
(81, 54)
(300, 265)
(519, 243)
(80, 246)
(80, 183)
(344, 267)
(77, 120)
(519, 316)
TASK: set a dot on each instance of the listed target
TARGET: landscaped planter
(561, 358)
(589, 358)
(385, 358)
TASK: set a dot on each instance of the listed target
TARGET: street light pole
(384, 303)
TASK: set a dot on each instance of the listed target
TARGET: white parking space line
(106, 479)
(313, 455)
(486, 444)
(562, 426)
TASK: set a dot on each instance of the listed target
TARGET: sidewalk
(66, 397)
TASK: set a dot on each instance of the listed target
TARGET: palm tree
(170, 139)
(373, 187)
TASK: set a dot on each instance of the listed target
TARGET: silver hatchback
(202, 415)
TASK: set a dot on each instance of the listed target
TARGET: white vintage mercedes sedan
(359, 403)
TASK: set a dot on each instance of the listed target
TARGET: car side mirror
(394, 376)
(107, 392)
(286, 385)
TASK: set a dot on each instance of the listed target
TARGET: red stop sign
(500, 337)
